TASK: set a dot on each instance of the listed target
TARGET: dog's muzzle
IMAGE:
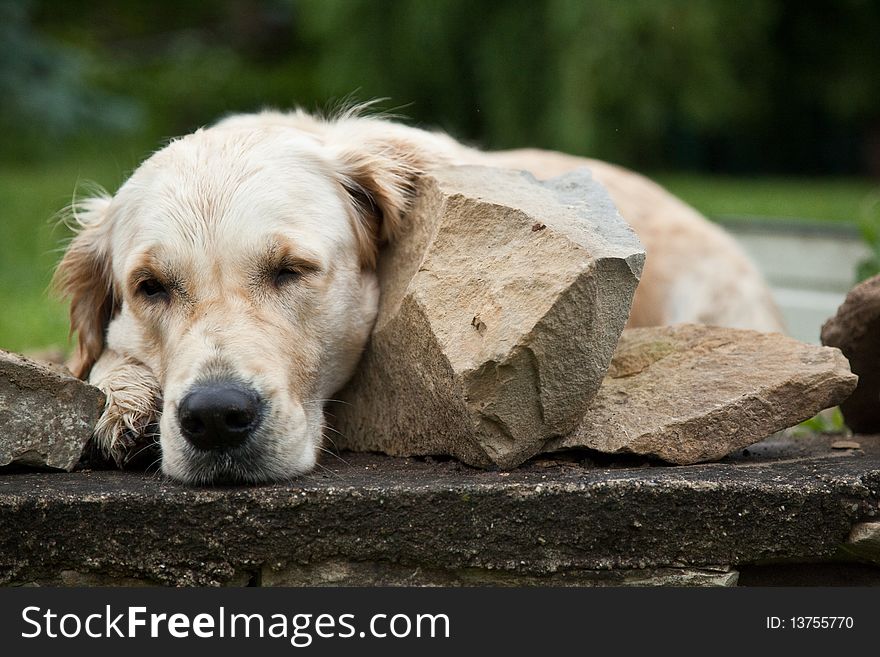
(219, 415)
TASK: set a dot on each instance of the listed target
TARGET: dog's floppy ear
(85, 277)
(379, 172)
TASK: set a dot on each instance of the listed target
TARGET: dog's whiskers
(324, 401)
(329, 471)
(330, 440)
(334, 455)
(158, 473)
(334, 430)
(131, 457)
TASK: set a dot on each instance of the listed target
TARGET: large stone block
(46, 415)
(501, 307)
(687, 393)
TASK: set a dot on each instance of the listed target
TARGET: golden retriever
(228, 288)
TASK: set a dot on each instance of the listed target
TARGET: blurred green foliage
(31, 195)
(46, 92)
(869, 227)
(828, 421)
(749, 86)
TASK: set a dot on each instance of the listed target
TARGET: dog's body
(233, 275)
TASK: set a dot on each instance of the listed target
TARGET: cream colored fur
(215, 216)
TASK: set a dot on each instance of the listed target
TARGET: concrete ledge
(382, 520)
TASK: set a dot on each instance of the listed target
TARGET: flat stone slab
(46, 414)
(688, 394)
(378, 518)
(501, 306)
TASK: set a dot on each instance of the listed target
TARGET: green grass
(839, 200)
(32, 194)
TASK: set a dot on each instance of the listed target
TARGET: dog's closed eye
(288, 270)
(286, 275)
(152, 289)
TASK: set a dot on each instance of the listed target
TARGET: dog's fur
(246, 252)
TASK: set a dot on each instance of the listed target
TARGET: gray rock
(501, 306)
(687, 393)
(46, 414)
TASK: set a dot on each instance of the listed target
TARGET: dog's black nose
(219, 415)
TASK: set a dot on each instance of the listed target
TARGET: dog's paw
(129, 423)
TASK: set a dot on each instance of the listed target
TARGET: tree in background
(46, 93)
(752, 86)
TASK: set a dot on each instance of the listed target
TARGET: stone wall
(766, 515)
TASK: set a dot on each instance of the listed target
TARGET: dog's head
(237, 264)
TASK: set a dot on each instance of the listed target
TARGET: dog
(228, 288)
